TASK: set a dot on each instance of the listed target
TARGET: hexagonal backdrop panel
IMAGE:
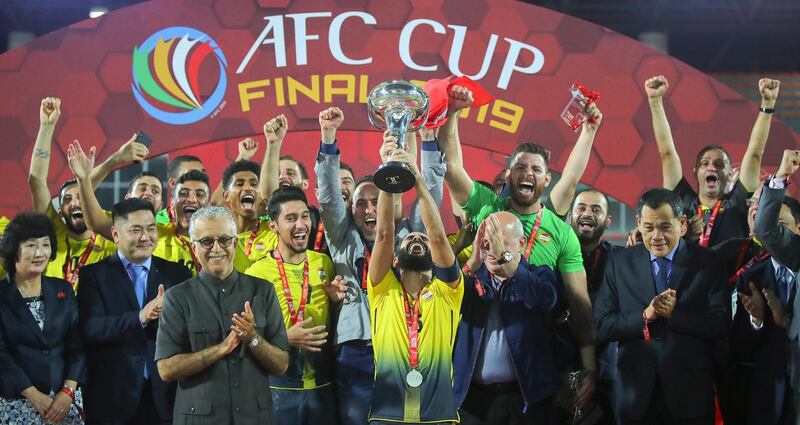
(538, 54)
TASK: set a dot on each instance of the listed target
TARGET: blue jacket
(526, 300)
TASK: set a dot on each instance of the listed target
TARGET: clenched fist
(656, 87)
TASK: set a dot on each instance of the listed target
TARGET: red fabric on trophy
(437, 90)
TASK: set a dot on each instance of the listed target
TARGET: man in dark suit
(666, 304)
(773, 228)
(120, 301)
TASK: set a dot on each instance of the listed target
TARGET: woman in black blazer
(41, 358)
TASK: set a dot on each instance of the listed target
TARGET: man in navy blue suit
(666, 303)
(775, 385)
(504, 371)
(120, 300)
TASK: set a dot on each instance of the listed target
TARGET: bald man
(503, 360)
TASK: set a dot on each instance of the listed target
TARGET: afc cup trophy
(400, 107)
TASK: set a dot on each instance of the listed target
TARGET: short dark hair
(132, 184)
(534, 149)
(236, 167)
(707, 148)
(194, 176)
(282, 196)
(303, 171)
(794, 207)
(24, 226)
(655, 198)
(175, 164)
(123, 208)
(65, 185)
(369, 178)
(343, 166)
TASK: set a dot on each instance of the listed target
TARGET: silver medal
(414, 378)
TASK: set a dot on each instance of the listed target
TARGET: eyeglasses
(223, 241)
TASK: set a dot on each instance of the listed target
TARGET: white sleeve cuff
(775, 183)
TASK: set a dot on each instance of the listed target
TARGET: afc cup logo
(167, 71)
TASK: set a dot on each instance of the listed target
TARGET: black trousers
(503, 404)
(657, 413)
(146, 413)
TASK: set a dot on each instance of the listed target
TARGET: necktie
(139, 284)
(662, 276)
(784, 284)
(140, 287)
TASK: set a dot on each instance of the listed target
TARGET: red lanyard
(295, 316)
(318, 238)
(412, 324)
(534, 233)
(188, 247)
(251, 239)
(70, 275)
(365, 269)
(171, 213)
(747, 266)
(706, 236)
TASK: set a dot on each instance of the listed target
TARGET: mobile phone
(143, 138)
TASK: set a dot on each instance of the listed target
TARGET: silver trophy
(400, 107)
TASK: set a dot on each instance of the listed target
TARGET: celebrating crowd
(239, 302)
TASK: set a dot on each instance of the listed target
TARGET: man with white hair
(206, 323)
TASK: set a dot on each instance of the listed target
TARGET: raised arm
(777, 239)
(275, 131)
(130, 152)
(81, 165)
(441, 253)
(670, 161)
(563, 191)
(750, 173)
(383, 250)
(332, 208)
(432, 168)
(49, 112)
(458, 181)
(412, 147)
(247, 150)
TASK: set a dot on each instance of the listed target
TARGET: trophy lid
(398, 97)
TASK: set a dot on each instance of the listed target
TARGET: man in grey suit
(784, 246)
(221, 333)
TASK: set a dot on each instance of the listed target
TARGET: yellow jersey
(174, 247)
(307, 370)
(72, 254)
(251, 247)
(393, 400)
(3, 223)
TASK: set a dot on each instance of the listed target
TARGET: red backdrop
(89, 66)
